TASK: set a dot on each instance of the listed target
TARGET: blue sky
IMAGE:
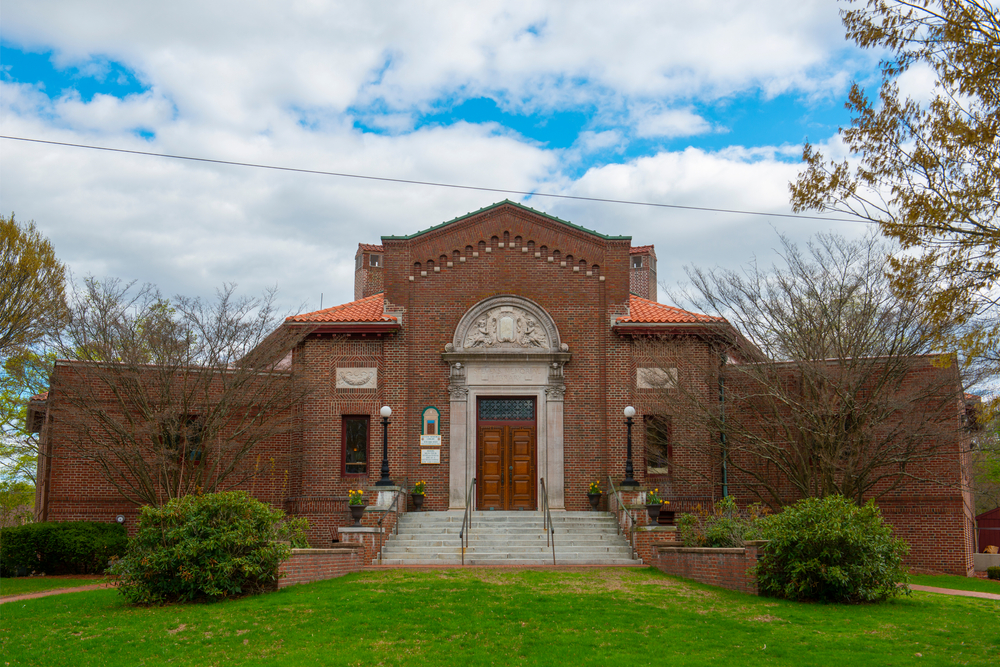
(699, 105)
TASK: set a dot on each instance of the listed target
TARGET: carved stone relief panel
(656, 378)
(506, 327)
(506, 322)
(357, 378)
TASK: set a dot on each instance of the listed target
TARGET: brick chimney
(369, 265)
(642, 272)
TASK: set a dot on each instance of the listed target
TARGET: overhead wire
(437, 184)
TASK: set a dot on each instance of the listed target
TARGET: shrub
(727, 526)
(206, 547)
(993, 572)
(69, 547)
(831, 550)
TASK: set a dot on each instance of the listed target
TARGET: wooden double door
(505, 465)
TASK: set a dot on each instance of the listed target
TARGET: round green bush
(205, 547)
(830, 550)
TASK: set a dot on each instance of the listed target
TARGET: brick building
(504, 342)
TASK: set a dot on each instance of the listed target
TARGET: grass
(22, 585)
(955, 582)
(483, 617)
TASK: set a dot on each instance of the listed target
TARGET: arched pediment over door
(506, 345)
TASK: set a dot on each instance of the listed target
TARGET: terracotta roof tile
(40, 397)
(368, 309)
(644, 311)
(370, 247)
(641, 249)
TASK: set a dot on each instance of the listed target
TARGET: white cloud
(276, 84)
(671, 123)
(216, 58)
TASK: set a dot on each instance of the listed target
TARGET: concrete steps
(507, 538)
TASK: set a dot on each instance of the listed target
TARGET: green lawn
(482, 617)
(21, 585)
(956, 582)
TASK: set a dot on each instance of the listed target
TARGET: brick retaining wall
(726, 568)
(308, 565)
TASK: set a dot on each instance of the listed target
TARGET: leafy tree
(830, 381)
(32, 308)
(927, 171)
(169, 398)
(17, 502)
(22, 376)
(32, 287)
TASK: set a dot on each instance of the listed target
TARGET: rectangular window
(659, 453)
(637, 262)
(375, 260)
(192, 437)
(354, 444)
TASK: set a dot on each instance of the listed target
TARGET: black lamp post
(629, 480)
(385, 481)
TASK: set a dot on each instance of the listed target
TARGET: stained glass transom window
(506, 409)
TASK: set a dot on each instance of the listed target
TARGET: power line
(456, 186)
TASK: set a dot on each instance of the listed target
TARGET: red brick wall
(308, 565)
(726, 568)
(646, 541)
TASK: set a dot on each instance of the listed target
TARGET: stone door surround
(506, 345)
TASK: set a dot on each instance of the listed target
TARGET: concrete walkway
(951, 591)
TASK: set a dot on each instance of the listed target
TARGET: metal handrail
(547, 520)
(463, 534)
(629, 519)
(393, 508)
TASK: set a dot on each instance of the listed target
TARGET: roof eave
(662, 327)
(349, 327)
(505, 202)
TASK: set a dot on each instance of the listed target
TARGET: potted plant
(417, 495)
(594, 494)
(356, 503)
(653, 504)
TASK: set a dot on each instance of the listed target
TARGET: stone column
(459, 474)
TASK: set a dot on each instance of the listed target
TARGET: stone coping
(670, 548)
(654, 529)
(344, 548)
(361, 529)
(663, 548)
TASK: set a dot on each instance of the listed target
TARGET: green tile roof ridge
(501, 203)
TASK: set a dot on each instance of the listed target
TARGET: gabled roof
(506, 202)
(368, 311)
(644, 311)
(370, 247)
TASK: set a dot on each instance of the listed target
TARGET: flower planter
(654, 511)
(418, 500)
(595, 500)
(357, 511)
